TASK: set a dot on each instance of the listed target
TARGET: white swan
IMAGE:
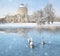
(42, 42)
(31, 44)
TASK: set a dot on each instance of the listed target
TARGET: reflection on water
(12, 44)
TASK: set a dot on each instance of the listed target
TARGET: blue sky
(11, 6)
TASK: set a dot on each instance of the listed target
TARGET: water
(12, 44)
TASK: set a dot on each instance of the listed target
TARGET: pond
(13, 44)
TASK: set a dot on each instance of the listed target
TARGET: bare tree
(49, 12)
(38, 15)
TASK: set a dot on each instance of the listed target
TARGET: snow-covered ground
(26, 25)
(18, 25)
(54, 24)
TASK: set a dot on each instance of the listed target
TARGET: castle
(20, 17)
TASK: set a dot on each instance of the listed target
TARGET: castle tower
(22, 10)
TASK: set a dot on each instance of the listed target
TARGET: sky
(11, 6)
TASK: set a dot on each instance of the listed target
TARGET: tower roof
(22, 5)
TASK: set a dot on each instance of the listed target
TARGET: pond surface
(12, 44)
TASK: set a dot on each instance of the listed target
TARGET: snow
(18, 25)
(27, 25)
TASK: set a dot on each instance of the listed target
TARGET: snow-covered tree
(49, 13)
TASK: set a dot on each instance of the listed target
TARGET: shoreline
(12, 26)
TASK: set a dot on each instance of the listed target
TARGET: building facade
(20, 17)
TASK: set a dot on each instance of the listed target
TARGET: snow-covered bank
(27, 25)
(18, 25)
(54, 24)
(2, 32)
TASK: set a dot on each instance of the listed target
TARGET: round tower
(22, 10)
